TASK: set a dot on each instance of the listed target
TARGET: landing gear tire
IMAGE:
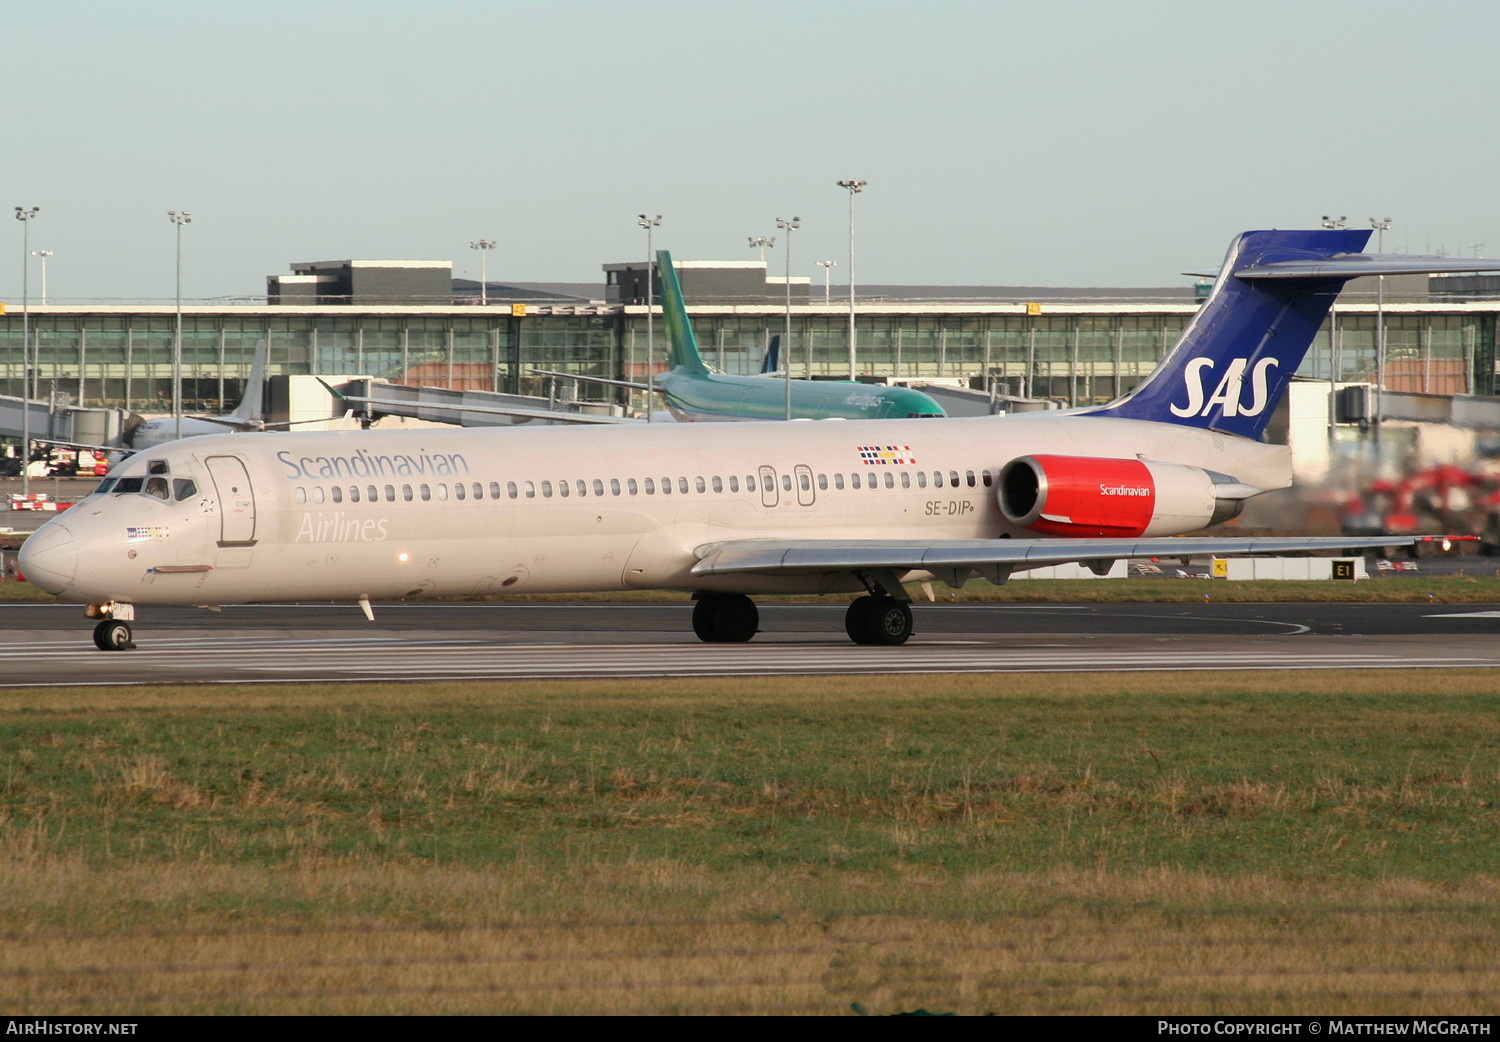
(725, 618)
(113, 635)
(878, 620)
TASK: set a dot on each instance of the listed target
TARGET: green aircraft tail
(682, 344)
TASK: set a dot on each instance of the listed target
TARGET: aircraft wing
(990, 558)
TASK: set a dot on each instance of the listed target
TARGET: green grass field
(1169, 843)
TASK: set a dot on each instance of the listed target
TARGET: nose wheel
(113, 635)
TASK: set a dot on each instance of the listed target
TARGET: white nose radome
(49, 559)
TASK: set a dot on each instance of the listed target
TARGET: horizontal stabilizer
(1359, 265)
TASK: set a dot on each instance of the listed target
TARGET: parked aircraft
(152, 431)
(727, 511)
(694, 392)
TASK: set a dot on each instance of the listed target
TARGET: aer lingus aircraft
(726, 511)
(694, 392)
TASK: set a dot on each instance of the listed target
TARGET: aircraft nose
(49, 558)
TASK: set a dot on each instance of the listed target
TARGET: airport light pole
(854, 186)
(179, 218)
(1333, 319)
(760, 242)
(1381, 226)
(484, 246)
(44, 254)
(25, 216)
(786, 331)
(827, 267)
(650, 224)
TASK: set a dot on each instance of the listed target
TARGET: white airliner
(726, 510)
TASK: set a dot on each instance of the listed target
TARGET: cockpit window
(157, 466)
(183, 488)
(128, 485)
(157, 487)
(105, 486)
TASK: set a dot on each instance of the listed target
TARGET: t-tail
(682, 345)
(1234, 360)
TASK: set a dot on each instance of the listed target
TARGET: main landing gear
(113, 632)
(725, 618)
(731, 618)
(878, 620)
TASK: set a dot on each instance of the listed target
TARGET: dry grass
(618, 940)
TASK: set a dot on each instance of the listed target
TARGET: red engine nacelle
(1094, 497)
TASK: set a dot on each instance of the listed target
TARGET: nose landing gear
(113, 633)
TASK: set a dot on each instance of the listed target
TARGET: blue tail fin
(1234, 360)
(682, 349)
(772, 361)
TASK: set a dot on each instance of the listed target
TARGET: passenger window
(336, 494)
(583, 487)
(599, 487)
(838, 482)
(458, 491)
(700, 485)
(183, 488)
(937, 479)
(666, 486)
(734, 483)
(953, 478)
(969, 477)
(406, 493)
(650, 487)
(822, 482)
(786, 482)
(682, 486)
(614, 486)
(317, 494)
(563, 490)
(854, 480)
(390, 493)
(546, 490)
(372, 494)
(530, 489)
(921, 479)
(890, 480)
(804, 481)
(426, 493)
(718, 483)
(749, 482)
(299, 495)
(511, 490)
(906, 479)
(442, 493)
(630, 486)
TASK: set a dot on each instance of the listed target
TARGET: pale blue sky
(1061, 144)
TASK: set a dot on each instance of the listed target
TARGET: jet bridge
(470, 408)
(62, 423)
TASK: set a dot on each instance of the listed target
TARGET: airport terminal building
(1075, 347)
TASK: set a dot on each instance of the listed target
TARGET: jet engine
(1094, 497)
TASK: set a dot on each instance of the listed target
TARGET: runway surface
(51, 645)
